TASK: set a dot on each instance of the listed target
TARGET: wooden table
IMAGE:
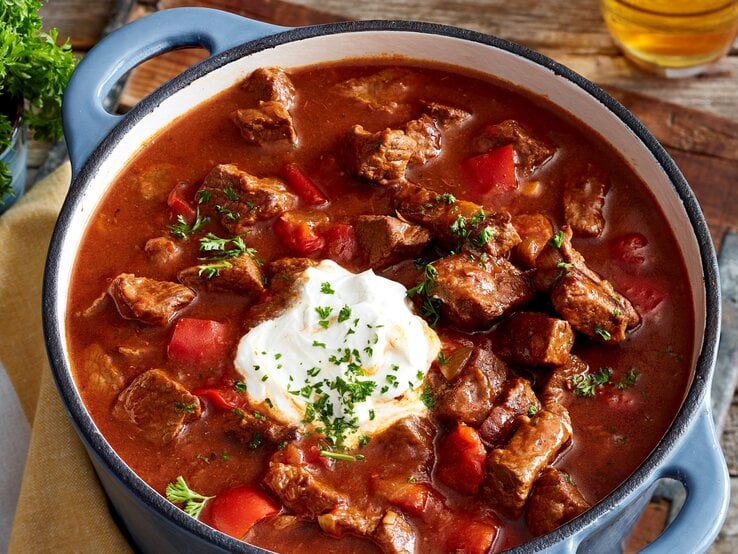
(696, 119)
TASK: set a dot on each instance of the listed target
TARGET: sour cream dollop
(348, 356)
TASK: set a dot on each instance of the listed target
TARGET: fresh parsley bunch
(33, 67)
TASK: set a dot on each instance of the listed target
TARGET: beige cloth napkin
(61, 507)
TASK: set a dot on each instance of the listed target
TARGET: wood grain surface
(695, 119)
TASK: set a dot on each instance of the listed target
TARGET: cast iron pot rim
(86, 428)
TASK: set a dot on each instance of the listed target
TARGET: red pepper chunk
(299, 236)
(179, 204)
(493, 171)
(303, 186)
(219, 398)
(628, 250)
(199, 341)
(461, 458)
(340, 243)
(235, 511)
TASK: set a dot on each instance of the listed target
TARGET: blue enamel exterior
(16, 158)
(689, 453)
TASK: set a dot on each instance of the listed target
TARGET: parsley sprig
(182, 229)
(178, 492)
(430, 305)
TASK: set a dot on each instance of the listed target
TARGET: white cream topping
(349, 344)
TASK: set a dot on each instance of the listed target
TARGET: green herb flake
(604, 334)
(428, 398)
(240, 386)
(178, 493)
(325, 288)
(628, 380)
(344, 314)
(557, 240)
(185, 407)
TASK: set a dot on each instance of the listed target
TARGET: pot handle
(86, 121)
(699, 465)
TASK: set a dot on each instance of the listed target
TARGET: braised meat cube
(407, 443)
(516, 399)
(270, 122)
(394, 534)
(348, 519)
(589, 308)
(148, 300)
(251, 427)
(381, 90)
(385, 240)
(239, 199)
(380, 157)
(473, 293)
(534, 339)
(445, 116)
(530, 153)
(471, 395)
(427, 135)
(158, 405)
(457, 223)
(300, 491)
(511, 471)
(535, 231)
(163, 251)
(584, 199)
(555, 501)
(101, 373)
(560, 259)
(271, 83)
(559, 381)
(239, 274)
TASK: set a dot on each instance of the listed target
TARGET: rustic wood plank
(650, 526)
(270, 11)
(80, 20)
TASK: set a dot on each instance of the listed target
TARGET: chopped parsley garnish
(231, 194)
(185, 407)
(372, 415)
(208, 271)
(344, 314)
(364, 440)
(203, 196)
(228, 215)
(182, 229)
(225, 456)
(430, 305)
(341, 456)
(240, 386)
(256, 441)
(604, 334)
(325, 288)
(313, 371)
(411, 479)
(485, 235)
(442, 358)
(317, 344)
(532, 410)
(446, 198)
(557, 240)
(617, 312)
(628, 379)
(323, 312)
(428, 398)
(586, 384)
(178, 492)
(223, 249)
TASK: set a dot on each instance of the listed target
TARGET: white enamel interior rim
(488, 59)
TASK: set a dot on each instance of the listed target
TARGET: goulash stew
(380, 306)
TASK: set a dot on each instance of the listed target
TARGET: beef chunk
(394, 534)
(386, 240)
(342, 519)
(534, 339)
(163, 251)
(239, 199)
(511, 471)
(102, 374)
(271, 83)
(380, 157)
(457, 223)
(535, 231)
(472, 393)
(239, 274)
(555, 501)
(474, 293)
(251, 428)
(270, 122)
(427, 136)
(157, 405)
(300, 491)
(564, 269)
(559, 381)
(530, 153)
(584, 199)
(589, 308)
(406, 444)
(445, 116)
(381, 90)
(516, 399)
(148, 300)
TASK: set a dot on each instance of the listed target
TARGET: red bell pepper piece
(493, 171)
(644, 294)
(461, 458)
(299, 236)
(303, 186)
(340, 243)
(219, 398)
(235, 511)
(628, 250)
(199, 341)
(179, 204)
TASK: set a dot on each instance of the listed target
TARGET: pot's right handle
(700, 466)
(86, 122)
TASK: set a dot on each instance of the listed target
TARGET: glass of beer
(674, 38)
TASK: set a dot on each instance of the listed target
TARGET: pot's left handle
(86, 122)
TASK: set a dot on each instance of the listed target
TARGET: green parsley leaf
(344, 314)
(557, 240)
(428, 398)
(325, 288)
(178, 492)
(628, 379)
(182, 229)
(603, 333)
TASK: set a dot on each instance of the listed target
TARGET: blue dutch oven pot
(101, 143)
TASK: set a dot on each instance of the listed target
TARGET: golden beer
(672, 37)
